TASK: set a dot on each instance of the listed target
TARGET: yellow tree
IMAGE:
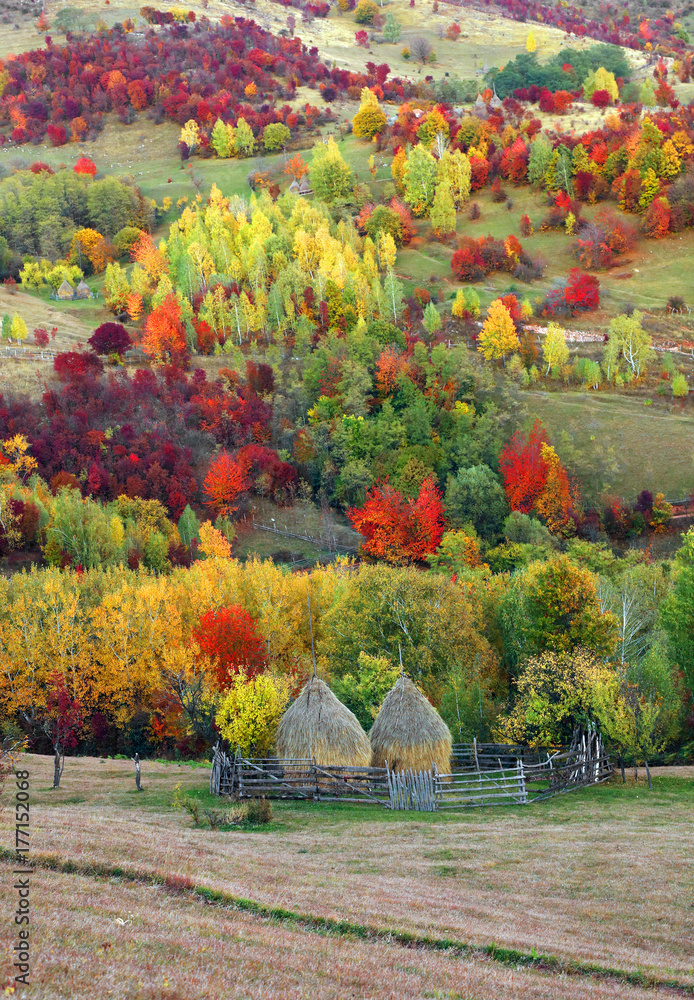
(554, 349)
(190, 134)
(498, 336)
(530, 43)
(18, 328)
(370, 118)
(250, 712)
(454, 168)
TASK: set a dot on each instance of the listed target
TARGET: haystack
(409, 732)
(318, 725)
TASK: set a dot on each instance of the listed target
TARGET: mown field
(584, 896)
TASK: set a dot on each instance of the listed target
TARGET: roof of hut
(83, 290)
(318, 725)
(409, 733)
(65, 289)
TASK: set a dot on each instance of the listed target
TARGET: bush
(680, 388)
(366, 12)
(259, 811)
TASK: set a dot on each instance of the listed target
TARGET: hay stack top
(318, 725)
(409, 733)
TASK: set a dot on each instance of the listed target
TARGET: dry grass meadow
(600, 879)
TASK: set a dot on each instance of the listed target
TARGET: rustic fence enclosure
(481, 775)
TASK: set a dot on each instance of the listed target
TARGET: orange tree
(165, 335)
(226, 480)
(399, 530)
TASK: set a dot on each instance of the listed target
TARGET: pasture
(586, 895)
(653, 445)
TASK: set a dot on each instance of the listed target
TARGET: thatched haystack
(318, 725)
(409, 733)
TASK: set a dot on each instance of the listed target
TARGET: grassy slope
(654, 445)
(601, 875)
(655, 271)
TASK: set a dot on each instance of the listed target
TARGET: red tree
(85, 166)
(110, 338)
(523, 468)
(398, 530)
(582, 292)
(229, 637)
(226, 480)
(62, 723)
(656, 222)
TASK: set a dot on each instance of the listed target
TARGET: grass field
(599, 878)
(654, 445)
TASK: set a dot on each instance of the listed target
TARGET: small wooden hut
(83, 291)
(66, 291)
(317, 725)
(305, 187)
(409, 733)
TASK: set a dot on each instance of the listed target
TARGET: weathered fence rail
(482, 775)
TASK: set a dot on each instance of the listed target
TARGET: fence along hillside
(482, 775)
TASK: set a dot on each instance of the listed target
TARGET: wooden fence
(482, 775)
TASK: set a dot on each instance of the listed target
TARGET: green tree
(454, 168)
(677, 611)
(112, 206)
(539, 160)
(443, 210)
(556, 692)
(392, 291)
(432, 319)
(86, 532)
(554, 606)
(188, 526)
(392, 29)
(244, 140)
(419, 178)
(428, 617)
(250, 712)
(331, 177)
(275, 136)
(628, 340)
(363, 692)
(475, 496)
(222, 139)
(680, 386)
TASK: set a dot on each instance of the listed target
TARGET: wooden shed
(83, 291)
(66, 291)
